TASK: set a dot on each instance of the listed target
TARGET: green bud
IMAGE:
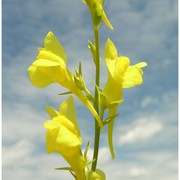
(79, 82)
(96, 175)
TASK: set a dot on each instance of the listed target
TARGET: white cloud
(22, 161)
(16, 153)
(21, 121)
(141, 131)
(136, 172)
(148, 165)
(149, 101)
(153, 125)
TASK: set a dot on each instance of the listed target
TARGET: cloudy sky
(145, 134)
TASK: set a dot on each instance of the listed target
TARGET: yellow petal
(64, 121)
(110, 50)
(67, 138)
(51, 135)
(44, 54)
(61, 135)
(120, 67)
(53, 45)
(117, 67)
(44, 63)
(51, 124)
(113, 90)
(52, 112)
(132, 77)
(68, 110)
(44, 72)
(141, 64)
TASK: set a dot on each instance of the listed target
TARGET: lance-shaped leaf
(93, 51)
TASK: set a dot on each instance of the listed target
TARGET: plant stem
(97, 128)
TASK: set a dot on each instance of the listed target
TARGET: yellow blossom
(63, 136)
(97, 12)
(50, 67)
(120, 75)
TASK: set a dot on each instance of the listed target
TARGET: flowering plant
(63, 133)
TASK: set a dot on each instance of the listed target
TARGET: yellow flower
(50, 67)
(120, 75)
(63, 136)
(97, 12)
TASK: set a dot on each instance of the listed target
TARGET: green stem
(96, 146)
(97, 48)
(97, 128)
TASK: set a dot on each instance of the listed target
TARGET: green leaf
(67, 169)
(93, 50)
(109, 119)
(77, 72)
(87, 148)
(80, 69)
(64, 168)
(73, 175)
(65, 93)
(115, 103)
(89, 162)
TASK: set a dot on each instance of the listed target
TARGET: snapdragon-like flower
(96, 8)
(50, 67)
(63, 136)
(120, 75)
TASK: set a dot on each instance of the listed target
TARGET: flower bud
(96, 175)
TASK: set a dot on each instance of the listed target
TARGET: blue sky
(145, 134)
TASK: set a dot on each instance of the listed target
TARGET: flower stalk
(97, 81)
